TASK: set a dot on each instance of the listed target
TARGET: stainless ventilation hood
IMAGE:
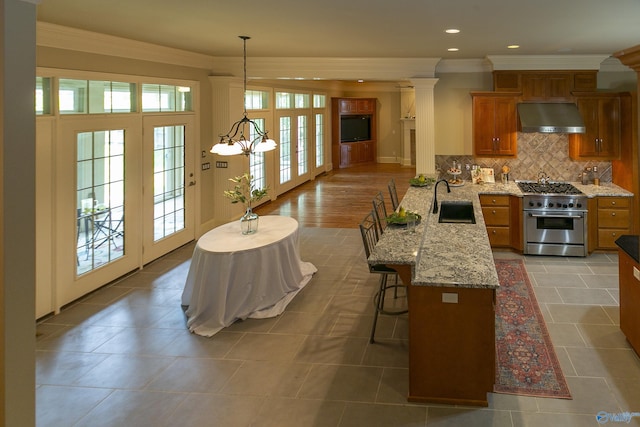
(550, 118)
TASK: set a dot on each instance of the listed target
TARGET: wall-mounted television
(355, 128)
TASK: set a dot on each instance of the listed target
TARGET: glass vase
(249, 222)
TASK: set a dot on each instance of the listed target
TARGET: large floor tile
(335, 382)
(64, 406)
(133, 408)
(281, 412)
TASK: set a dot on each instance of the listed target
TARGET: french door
(169, 184)
(125, 191)
(294, 153)
(98, 192)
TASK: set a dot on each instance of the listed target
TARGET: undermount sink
(457, 212)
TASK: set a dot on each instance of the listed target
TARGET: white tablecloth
(234, 276)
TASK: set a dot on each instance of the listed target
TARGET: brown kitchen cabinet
(502, 218)
(629, 299)
(453, 363)
(612, 220)
(497, 217)
(545, 85)
(347, 151)
(602, 118)
(494, 124)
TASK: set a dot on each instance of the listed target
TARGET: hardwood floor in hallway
(341, 197)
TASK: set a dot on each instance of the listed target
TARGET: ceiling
(361, 28)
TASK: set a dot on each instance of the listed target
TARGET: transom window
(96, 97)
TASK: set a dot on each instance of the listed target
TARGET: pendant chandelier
(237, 140)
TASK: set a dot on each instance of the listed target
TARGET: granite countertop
(454, 255)
(458, 255)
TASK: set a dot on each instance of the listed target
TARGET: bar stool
(369, 232)
(380, 212)
(393, 194)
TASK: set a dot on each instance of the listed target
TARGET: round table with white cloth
(234, 276)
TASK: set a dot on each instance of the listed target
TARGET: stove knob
(531, 204)
(539, 204)
(550, 205)
(570, 205)
(564, 206)
(579, 205)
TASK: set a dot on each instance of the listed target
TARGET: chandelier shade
(245, 136)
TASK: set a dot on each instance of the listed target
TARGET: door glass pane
(168, 180)
(99, 199)
(319, 140)
(302, 145)
(285, 149)
(257, 166)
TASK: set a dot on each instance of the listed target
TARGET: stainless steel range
(554, 218)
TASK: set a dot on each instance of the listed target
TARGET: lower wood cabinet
(612, 220)
(629, 299)
(502, 216)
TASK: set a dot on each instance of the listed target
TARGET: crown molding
(630, 57)
(481, 65)
(614, 65)
(309, 68)
(546, 62)
(61, 37)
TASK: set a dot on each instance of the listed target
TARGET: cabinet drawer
(494, 200)
(613, 218)
(613, 202)
(497, 215)
(499, 236)
(607, 238)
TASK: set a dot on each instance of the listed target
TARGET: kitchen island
(452, 282)
(451, 277)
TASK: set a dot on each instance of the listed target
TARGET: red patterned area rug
(526, 363)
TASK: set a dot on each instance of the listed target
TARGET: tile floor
(123, 357)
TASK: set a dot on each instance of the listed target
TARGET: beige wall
(453, 110)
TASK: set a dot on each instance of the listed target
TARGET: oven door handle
(555, 216)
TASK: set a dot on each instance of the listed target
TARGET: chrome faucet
(435, 194)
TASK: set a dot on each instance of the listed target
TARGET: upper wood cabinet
(356, 105)
(494, 124)
(602, 118)
(545, 85)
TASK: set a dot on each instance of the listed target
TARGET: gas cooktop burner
(548, 188)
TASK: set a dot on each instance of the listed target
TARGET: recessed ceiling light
(360, 81)
(513, 46)
(452, 31)
(453, 49)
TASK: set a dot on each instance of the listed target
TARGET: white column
(425, 129)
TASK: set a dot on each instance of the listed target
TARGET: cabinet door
(602, 121)
(609, 127)
(505, 126)
(365, 106)
(588, 141)
(367, 152)
(346, 155)
(494, 125)
(348, 106)
(483, 125)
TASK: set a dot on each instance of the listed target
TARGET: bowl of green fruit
(402, 217)
(422, 181)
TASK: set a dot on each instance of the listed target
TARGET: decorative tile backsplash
(547, 152)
